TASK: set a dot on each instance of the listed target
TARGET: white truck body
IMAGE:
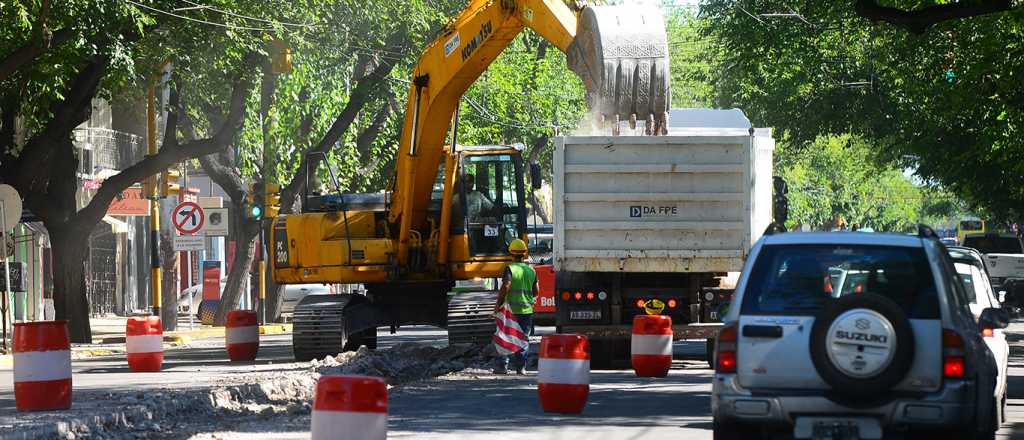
(693, 201)
(1004, 256)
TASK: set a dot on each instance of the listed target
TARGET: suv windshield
(994, 245)
(801, 280)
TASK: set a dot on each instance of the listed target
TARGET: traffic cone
(563, 373)
(42, 366)
(242, 335)
(350, 408)
(651, 345)
(144, 342)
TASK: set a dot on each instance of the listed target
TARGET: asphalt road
(461, 406)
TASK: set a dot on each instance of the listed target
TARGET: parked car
(800, 355)
(970, 265)
(293, 293)
(196, 293)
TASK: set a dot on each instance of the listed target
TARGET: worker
(519, 287)
(477, 202)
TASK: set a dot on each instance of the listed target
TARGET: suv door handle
(762, 331)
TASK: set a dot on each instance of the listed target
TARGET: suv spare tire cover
(862, 345)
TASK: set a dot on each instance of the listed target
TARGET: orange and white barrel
(42, 366)
(242, 335)
(350, 408)
(144, 338)
(651, 346)
(563, 373)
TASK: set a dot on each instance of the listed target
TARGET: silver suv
(853, 335)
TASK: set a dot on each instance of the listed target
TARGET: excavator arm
(620, 54)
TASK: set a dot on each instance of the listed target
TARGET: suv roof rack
(774, 228)
(925, 231)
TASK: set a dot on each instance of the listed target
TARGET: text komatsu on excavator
(410, 244)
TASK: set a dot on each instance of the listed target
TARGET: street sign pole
(7, 269)
(188, 255)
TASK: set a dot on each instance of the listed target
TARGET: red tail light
(565, 296)
(672, 303)
(987, 332)
(640, 303)
(590, 296)
(952, 355)
(828, 284)
(578, 296)
(725, 350)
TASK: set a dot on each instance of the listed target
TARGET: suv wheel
(862, 345)
(735, 431)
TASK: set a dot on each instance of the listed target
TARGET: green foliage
(694, 57)
(528, 95)
(831, 71)
(836, 177)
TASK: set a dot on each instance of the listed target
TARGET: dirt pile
(408, 361)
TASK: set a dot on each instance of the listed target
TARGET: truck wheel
(734, 431)
(609, 354)
(709, 352)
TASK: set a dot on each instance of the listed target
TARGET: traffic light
(272, 199)
(255, 202)
(149, 187)
(169, 183)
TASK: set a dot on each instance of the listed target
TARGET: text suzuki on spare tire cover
(853, 335)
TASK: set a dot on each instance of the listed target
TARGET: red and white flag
(509, 337)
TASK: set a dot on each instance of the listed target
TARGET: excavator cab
(490, 199)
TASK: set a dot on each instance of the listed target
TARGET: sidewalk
(108, 335)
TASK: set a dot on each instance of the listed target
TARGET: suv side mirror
(994, 318)
(535, 176)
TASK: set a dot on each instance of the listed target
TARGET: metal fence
(111, 149)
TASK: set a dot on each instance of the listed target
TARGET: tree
(336, 108)
(933, 86)
(836, 178)
(47, 86)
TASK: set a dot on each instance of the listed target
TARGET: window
(972, 225)
(492, 190)
(970, 281)
(801, 280)
(994, 244)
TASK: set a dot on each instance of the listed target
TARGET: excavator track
(471, 317)
(319, 328)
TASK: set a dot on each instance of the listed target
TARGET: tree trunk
(245, 247)
(170, 280)
(70, 302)
(538, 207)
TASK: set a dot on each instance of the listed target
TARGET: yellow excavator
(451, 209)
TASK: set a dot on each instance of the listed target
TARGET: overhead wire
(233, 14)
(197, 20)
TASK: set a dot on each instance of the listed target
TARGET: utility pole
(151, 193)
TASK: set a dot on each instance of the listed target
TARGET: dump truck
(409, 244)
(651, 225)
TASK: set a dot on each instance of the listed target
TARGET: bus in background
(541, 239)
(970, 225)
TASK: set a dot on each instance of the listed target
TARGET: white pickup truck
(1004, 256)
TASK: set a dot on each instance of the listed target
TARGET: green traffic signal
(257, 212)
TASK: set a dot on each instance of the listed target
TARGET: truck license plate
(585, 314)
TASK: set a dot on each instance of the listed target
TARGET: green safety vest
(520, 294)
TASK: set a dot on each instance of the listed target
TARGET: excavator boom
(621, 54)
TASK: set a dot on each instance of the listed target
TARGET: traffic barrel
(350, 408)
(563, 373)
(144, 341)
(242, 335)
(651, 345)
(42, 366)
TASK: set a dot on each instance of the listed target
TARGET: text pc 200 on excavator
(451, 210)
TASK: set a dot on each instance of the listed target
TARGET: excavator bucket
(621, 54)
